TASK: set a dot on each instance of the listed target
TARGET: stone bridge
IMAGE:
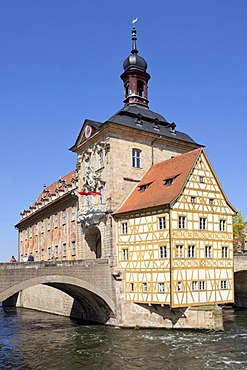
(89, 282)
(240, 269)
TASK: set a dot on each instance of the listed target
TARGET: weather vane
(134, 20)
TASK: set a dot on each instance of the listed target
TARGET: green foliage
(239, 229)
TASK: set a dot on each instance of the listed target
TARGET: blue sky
(60, 63)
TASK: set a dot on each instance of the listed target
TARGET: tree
(239, 229)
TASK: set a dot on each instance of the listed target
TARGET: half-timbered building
(175, 242)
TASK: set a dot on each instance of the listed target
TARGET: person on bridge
(13, 260)
(30, 258)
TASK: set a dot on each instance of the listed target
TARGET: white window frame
(163, 251)
(136, 158)
(203, 223)
(124, 227)
(144, 287)
(55, 220)
(222, 225)
(48, 223)
(223, 284)
(125, 254)
(180, 286)
(161, 287)
(202, 285)
(181, 222)
(224, 251)
(179, 251)
(161, 223)
(64, 215)
(208, 251)
(49, 253)
(194, 285)
(191, 251)
(132, 287)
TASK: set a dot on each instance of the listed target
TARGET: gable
(89, 129)
(202, 191)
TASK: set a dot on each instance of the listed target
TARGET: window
(140, 89)
(142, 188)
(124, 227)
(191, 251)
(161, 287)
(48, 253)
(194, 285)
(73, 249)
(224, 252)
(101, 198)
(73, 213)
(42, 256)
(30, 232)
(202, 223)
(56, 251)
(100, 159)
(48, 224)
(193, 199)
(222, 225)
(208, 251)
(64, 217)
(42, 226)
(36, 255)
(202, 285)
(136, 158)
(125, 254)
(25, 234)
(223, 284)
(162, 223)
(163, 251)
(56, 220)
(211, 201)
(179, 286)
(36, 229)
(131, 287)
(144, 287)
(181, 222)
(64, 249)
(168, 182)
(179, 251)
(201, 178)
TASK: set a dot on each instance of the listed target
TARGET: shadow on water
(37, 340)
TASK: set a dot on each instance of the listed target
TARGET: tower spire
(134, 48)
(135, 77)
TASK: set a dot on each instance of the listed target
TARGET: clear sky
(60, 62)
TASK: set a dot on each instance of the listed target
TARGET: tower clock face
(88, 131)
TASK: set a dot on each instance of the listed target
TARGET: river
(37, 340)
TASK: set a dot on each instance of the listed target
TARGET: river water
(37, 340)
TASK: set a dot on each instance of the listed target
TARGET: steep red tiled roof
(157, 192)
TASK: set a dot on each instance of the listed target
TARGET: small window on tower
(140, 89)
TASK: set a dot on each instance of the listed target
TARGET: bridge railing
(41, 264)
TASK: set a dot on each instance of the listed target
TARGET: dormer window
(142, 188)
(169, 182)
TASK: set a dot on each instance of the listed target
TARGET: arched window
(140, 88)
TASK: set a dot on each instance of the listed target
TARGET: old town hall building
(145, 197)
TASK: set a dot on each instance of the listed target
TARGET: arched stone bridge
(90, 282)
(240, 269)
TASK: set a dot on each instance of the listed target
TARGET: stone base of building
(240, 302)
(47, 299)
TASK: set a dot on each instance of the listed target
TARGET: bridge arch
(97, 305)
(240, 287)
